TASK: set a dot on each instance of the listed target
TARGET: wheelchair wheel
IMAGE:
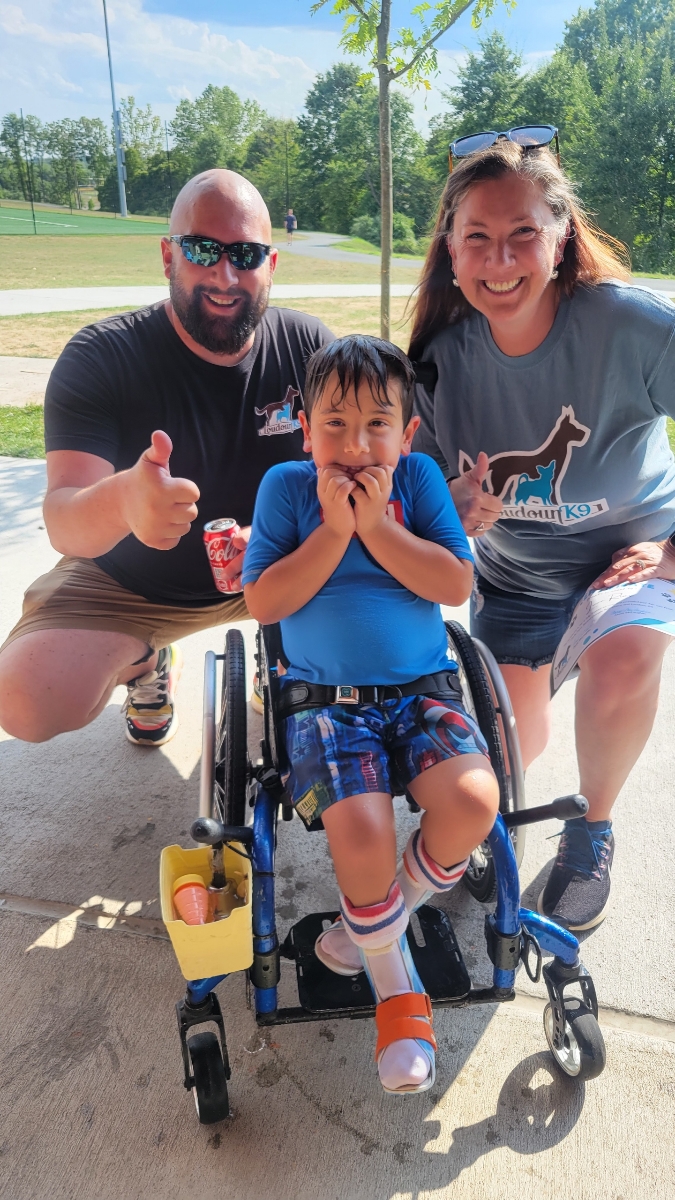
(582, 1054)
(210, 1082)
(231, 755)
(479, 878)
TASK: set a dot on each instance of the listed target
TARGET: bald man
(157, 422)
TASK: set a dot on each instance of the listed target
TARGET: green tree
(352, 176)
(325, 104)
(141, 128)
(610, 90)
(409, 58)
(272, 164)
(489, 95)
(213, 130)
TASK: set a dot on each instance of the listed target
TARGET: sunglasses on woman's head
(206, 252)
(530, 137)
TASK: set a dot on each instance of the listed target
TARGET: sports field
(53, 222)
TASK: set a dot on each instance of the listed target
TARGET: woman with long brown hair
(548, 381)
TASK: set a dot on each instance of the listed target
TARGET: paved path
(92, 1103)
(43, 300)
(326, 246)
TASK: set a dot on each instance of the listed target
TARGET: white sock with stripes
(421, 877)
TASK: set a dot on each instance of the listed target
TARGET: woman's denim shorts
(519, 629)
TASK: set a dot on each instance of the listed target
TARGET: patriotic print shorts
(346, 750)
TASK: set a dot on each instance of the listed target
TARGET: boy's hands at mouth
(371, 497)
(334, 489)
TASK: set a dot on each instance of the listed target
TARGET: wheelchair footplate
(321, 992)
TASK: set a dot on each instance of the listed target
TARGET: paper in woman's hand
(600, 611)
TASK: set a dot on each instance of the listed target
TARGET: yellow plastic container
(219, 947)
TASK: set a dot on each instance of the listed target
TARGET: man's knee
(37, 697)
(21, 714)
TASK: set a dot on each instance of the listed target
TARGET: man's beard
(220, 335)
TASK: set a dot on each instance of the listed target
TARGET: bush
(405, 241)
(367, 228)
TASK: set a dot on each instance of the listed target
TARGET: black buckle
(503, 948)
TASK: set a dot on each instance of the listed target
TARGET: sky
(53, 58)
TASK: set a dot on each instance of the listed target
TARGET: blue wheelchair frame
(513, 934)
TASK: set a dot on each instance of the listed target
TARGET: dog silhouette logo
(512, 468)
(528, 481)
(279, 415)
(538, 490)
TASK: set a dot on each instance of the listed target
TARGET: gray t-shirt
(575, 433)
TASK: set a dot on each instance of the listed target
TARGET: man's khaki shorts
(77, 594)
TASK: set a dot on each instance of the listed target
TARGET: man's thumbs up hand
(157, 508)
(477, 510)
(159, 451)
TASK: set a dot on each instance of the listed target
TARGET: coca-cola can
(219, 541)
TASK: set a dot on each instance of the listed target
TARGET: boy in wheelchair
(353, 553)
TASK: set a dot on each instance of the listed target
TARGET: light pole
(119, 149)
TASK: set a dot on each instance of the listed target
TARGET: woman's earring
(554, 274)
(455, 281)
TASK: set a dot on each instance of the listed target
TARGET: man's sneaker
(577, 893)
(257, 702)
(149, 709)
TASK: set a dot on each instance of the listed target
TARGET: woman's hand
(477, 510)
(633, 564)
(334, 489)
(372, 497)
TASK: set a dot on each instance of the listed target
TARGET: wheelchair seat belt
(298, 695)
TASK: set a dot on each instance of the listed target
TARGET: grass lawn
(60, 262)
(50, 262)
(43, 335)
(21, 434)
(358, 245)
(16, 220)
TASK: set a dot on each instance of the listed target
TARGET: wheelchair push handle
(210, 832)
(566, 808)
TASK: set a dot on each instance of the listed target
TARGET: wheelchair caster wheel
(582, 1054)
(210, 1082)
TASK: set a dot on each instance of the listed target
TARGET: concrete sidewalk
(93, 1106)
(19, 302)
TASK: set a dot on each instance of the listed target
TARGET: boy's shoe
(149, 709)
(257, 701)
(335, 949)
(576, 895)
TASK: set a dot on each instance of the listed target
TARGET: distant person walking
(291, 223)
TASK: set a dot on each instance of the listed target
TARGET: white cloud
(54, 60)
(52, 49)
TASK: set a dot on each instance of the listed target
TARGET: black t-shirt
(122, 378)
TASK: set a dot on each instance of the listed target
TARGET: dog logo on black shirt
(528, 481)
(278, 415)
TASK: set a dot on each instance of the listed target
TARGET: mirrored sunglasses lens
(246, 256)
(533, 135)
(202, 252)
(469, 145)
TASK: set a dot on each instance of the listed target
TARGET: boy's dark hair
(357, 359)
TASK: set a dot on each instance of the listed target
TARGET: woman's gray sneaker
(576, 895)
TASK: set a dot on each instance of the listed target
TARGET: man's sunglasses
(206, 252)
(530, 137)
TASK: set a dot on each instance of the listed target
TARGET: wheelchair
(239, 805)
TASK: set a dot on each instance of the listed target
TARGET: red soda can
(219, 541)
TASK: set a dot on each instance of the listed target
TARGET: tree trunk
(386, 180)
